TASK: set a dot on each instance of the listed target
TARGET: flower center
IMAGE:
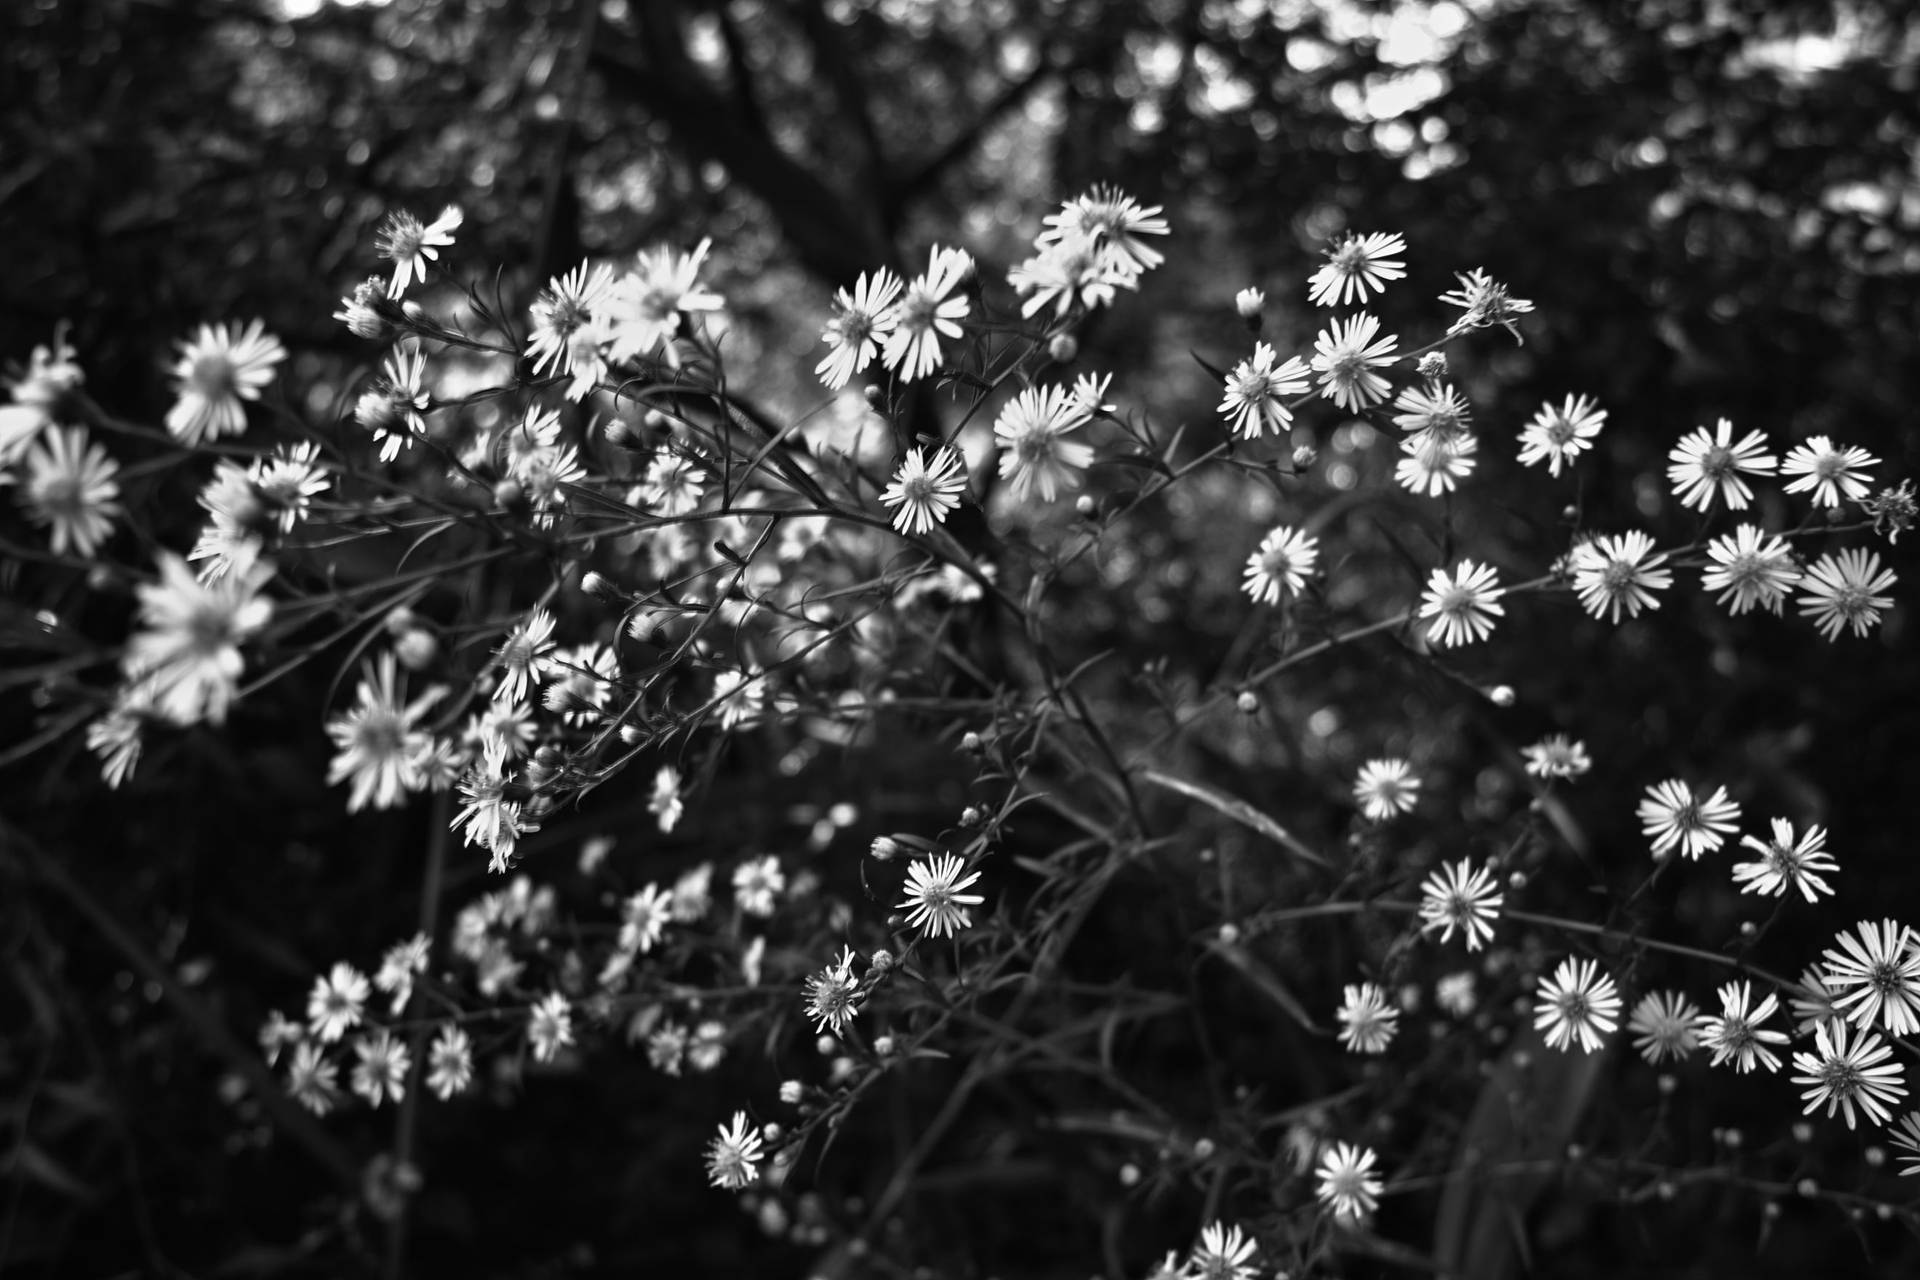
(212, 374)
(1717, 462)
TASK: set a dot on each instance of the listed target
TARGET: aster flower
(51, 372)
(410, 246)
(1704, 464)
(1557, 756)
(693, 892)
(1460, 896)
(562, 309)
(72, 486)
(1750, 568)
(487, 817)
(1619, 574)
(1841, 1074)
(1249, 303)
(360, 310)
(1256, 392)
(733, 1158)
(1577, 1003)
(644, 918)
(833, 995)
(381, 1071)
(1434, 464)
(216, 371)
(1282, 564)
(1906, 1136)
(1831, 471)
(1787, 862)
(1735, 1033)
(1674, 818)
(523, 656)
(393, 410)
(1367, 1021)
(1346, 359)
(673, 485)
(933, 899)
(288, 481)
(378, 744)
(1454, 993)
(1812, 1000)
(1876, 977)
(1072, 272)
(449, 1063)
(927, 312)
(1034, 455)
(863, 321)
(1462, 604)
(1436, 410)
(312, 1080)
(550, 1026)
(1357, 266)
(1485, 301)
(1893, 511)
(756, 883)
(279, 1033)
(1111, 218)
(1348, 1186)
(707, 1046)
(1558, 436)
(115, 735)
(1665, 1024)
(1385, 788)
(740, 695)
(403, 962)
(664, 804)
(1224, 1253)
(188, 648)
(337, 1002)
(647, 307)
(925, 488)
(1840, 591)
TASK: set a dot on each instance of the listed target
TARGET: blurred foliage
(1715, 207)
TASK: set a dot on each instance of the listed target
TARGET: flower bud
(416, 649)
(399, 620)
(510, 495)
(1085, 505)
(1249, 302)
(881, 960)
(621, 434)
(771, 1131)
(1229, 933)
(1248, 702)
(970, 742)
(597, 585)
(884, 849)
(1304, 457)
(1501, 695)
(1432, 365)
(1062, 348)
(971, 816)
(875, 396)
(791, 1091)
(883, 1046)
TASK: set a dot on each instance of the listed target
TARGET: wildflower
(217, 370)
(756, 883)
(1735, 1032)
(926, 313)
(1029, 435)
(1485, 301)
(733, 1158)
(1072, 272)
(1249, 302)
(1281, 565)
(1616, 574)
(1876, 977)
(72, 486)
(1367, 1021)
(924, 491)
(510, 724)
(1454, 993)
(1893, 511)
(1460, 896)
(288, 481)
(278, 1033)
(1111, 218)
(833, 995)
(382, 1067)
(1385, 788)
(1436, 410)
(1812, 1000)
(410, 246)
(402, 962)
(449, 1062)
(1841, 1074)
(550, 1026)
(51, 372)
(933, 894)
(644, 918)
(568, 304)
(1347, 1183)
(312, 1079)
(1665, 1024)
(360, 310)
(393, 409)
(188, 649)
(115, 736)
(1434, 464)
(1090, 394)
(1786, 862)
(1355, 266)
(673, 485)
(523, 656)
(1832, 471)
(1749, 570)
(1346, 359)
(336, 1002)
(664, 804)
(1557, 756)
(646, 307)
(1558, 436)
(1839, 591)
(864, 321)
(740, 695)
(667, 1048)
(707, 1046)
(1673, 817)
(1704, 464)
(377, 743)
(1577, 1003)
(1222, 1254)
(1462, 604)
(580, 682)
(1906, 1136)
(692, 895)
(1256, 392)
(490, 819)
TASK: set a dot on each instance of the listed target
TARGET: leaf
(1240, 811)
(29, 1161)
(1262, 977)
(1220, 375)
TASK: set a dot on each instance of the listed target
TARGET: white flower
(72, 486)
(567, 305)
(1673, 817)
(1460, 896)
(393, 409)
(1577, 1003)
(449, 1062)
(1281, 565)
(924, 491)
(1906, 1136)
(1112, 218)
(1704, 464)
(1385, 788)
(51, 372)
(1434, 463)
(410, 246)
(1222, 1254)
(1255, 399)
(382, 1067)
(377, 744)
(1462, 604)
(756, 883)
(933, 895)
(1367, 1021)
(1665, 1024)
(1750, 568)
(664, 804)
(1735, 1032)
(1787, 862)
(1557, 756)
(1436, 410)
(648, 306)
(1347, 1183)
(1876, 977)
(673, 485)
(864, 320)
(1249, 302)
(1612, 575)
(115, 736)
(523, 657)
(337, 1002)
(1832, 471)
(1558, 436)
(189, 647)
(1072, 272)
(1841, 1074)
(833, 995)
(644, 918)
(1812, 1001)
(926, 313)
(217, 370)
(402, 963)
(1346, 359)
(693, 892)
(1355, 266)
(312, 1078)
(1840, 591)
(1484, 301)
(733, 1158)
(550, 1026)
(1029, 434)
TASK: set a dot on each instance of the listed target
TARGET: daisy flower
(933, 895)
(1385, 788)
(1281, 565)
(1557, 756)
(1787, 862)
(1484, 301)
(567, 304)
(378, 744)
(756, 883)
(1558, 436)
(1462, 604)
(1075, 271)
(1577, 1003)
(382, 1067)
(449, 1063)
(1832, 471)
(1704, 464)
(644, 918)
(1256, 392)
(673, 485)
(188, 647)
(864, 320)
(693, 892)
(1436, 410)
(1841, 1074)
(1665, 1024)
(1876, 977)
(1112, 218)
(1347, 1183)
(1249, 302)
(733, 1158)
(1619, 574)
(72, 486)
(1434, 463)
(278, 1033)
(550, 1026)
(410, 246)
(393, 410)
(403, 962)
(1812, 1000)
(312, 1080)
(115, 736)
(337, 1002)
(1356, 267)
(289, 481)
(51, 372)
(1839, 591)
(664, 804)
(523, 657)
(360, 310)
(1735, 1032)
(1906, 1136)
(1460, 896)
(1750, 568)
(1367, 1021)
(487, 817)
(927, 312)
(217, 370)
(833, 995)
(740, 695)
(646, 307)
(1029, 435)
(1454, 993)
(923, 491)
(1224, 1253)
(1673, 817)
(1346, 359)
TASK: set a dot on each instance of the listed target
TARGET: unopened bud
(1304, 457)
(654, 420)
(1501, 695)
(596, 584)
(881, 960)
(971, 816)
(399, 620)
(1249, 302)
(510, 495)
(883, 1045)
(416, 649)
(1085, 505)
(875, 396)
(621, 434)
(970, 742)
(791, 1091)
(1247, 702)
(1229, 934)
(771, 1131)
(1062, 348)
(884, 849)
(1432, 365)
